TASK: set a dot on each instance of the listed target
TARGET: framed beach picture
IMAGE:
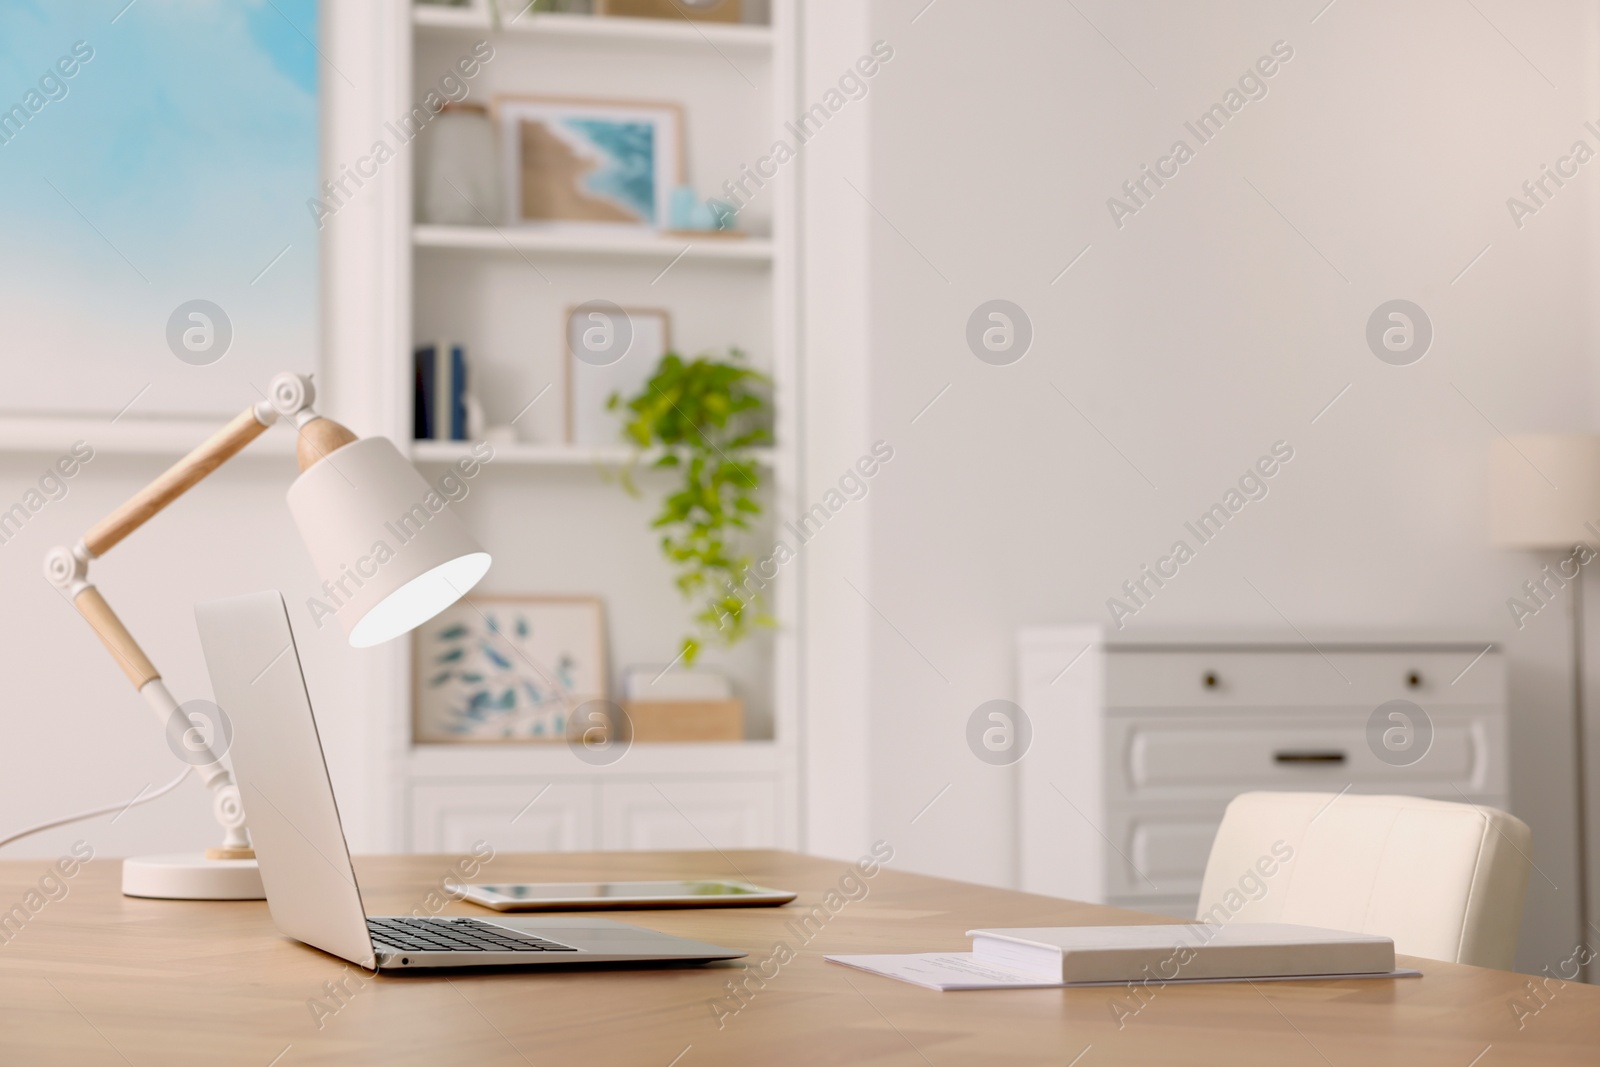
(506, 669)
(576, 164)
(594, 333)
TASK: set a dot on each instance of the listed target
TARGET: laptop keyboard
(454, 935)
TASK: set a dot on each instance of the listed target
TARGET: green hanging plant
(706, 414)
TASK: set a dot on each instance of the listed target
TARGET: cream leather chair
(1445, 881)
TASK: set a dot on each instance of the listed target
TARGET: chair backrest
(1445, 881)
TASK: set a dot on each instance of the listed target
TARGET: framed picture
(594, 332)
(574, 164)
(698, 10)
(503, 669)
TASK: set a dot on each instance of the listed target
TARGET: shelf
(511, 239)
(174, 437)
(480, 761)
(668, 32)
(521, 454)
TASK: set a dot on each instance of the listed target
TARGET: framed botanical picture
(576, 164)
(609, 349)
(502, 669)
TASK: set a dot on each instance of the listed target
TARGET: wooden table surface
(98, 978)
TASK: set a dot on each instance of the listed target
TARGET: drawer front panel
(1300, 679)
(530, 816)
(1158, 758)
(708, 813)
(1160, 855)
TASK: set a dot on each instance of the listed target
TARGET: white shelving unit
(548, 511)
(522, 454)
(442, 20)
(688, 247)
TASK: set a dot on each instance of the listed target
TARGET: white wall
(1208, 327)
(834, 339)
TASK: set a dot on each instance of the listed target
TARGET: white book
(1198, 950)
(1153, 955)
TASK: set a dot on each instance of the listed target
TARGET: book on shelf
(439, 400)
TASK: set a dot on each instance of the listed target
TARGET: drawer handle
(1414, 680)
(1209, 679)
(1309, 756)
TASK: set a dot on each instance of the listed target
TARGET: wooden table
(97, 978)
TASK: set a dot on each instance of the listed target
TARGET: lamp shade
(1543, 490)
(389, 550)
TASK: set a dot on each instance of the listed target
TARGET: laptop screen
(283, 778)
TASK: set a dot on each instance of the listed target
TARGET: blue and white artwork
(589, 164)
(625, 160)
(491, 669)
(156, 158)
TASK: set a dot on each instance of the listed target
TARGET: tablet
(574, 896)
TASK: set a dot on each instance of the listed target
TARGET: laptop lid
(283, 778)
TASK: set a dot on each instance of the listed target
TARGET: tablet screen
(611, 890)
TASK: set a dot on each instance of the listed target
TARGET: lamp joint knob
(68, 569)
(291, 396)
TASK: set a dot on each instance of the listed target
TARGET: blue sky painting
(173, 164)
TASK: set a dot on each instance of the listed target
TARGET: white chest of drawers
(1138, 744)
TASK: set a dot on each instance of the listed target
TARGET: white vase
(457, 180)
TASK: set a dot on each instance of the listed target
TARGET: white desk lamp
(1544, 493)
(352, 495)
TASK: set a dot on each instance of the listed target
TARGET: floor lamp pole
(1580, 757)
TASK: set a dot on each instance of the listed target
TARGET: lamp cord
(108, 809)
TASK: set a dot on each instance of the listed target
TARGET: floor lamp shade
(389, 550)
(1543, 490)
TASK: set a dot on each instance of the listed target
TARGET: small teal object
(702, 218)
(686, 212)
(722, 214)
(681, 208)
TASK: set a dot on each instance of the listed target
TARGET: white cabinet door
(530, 816)
(701, 814)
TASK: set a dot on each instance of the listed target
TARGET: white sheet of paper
(950, 971)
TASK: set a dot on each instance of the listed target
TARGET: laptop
(300, 845)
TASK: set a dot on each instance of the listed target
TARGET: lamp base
(191, 876)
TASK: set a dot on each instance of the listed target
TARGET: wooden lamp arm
(115, 636)
(177, 480)
(68, 569)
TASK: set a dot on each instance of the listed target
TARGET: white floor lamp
(1544, 493)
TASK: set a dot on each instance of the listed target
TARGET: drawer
(1160, 854)
(717, 813)
(1141, 678)
(1158, 758)
(536, 815)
